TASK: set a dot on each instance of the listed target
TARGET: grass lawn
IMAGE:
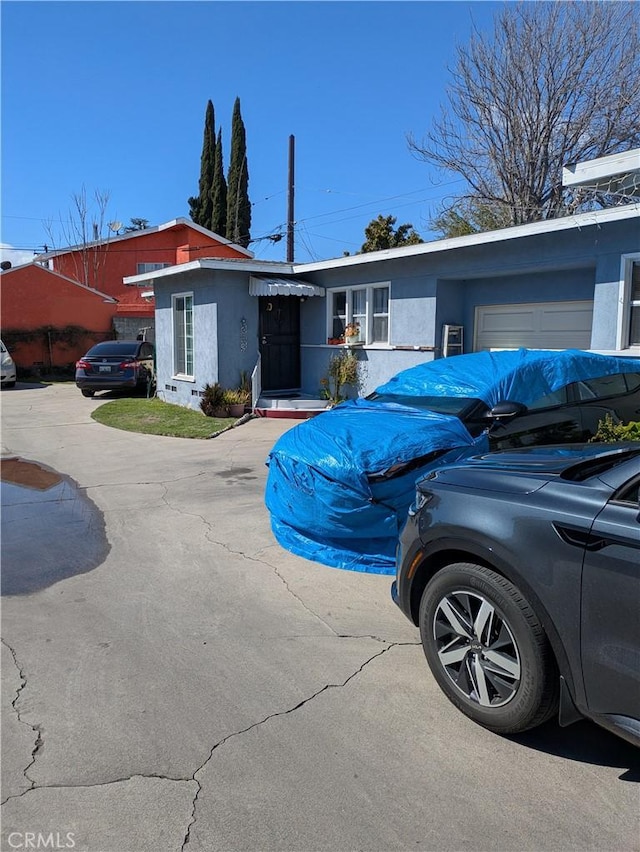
(154, 417)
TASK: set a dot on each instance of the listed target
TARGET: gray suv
(522, 570)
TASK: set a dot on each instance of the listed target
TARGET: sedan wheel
(87, 393)
(487, 649)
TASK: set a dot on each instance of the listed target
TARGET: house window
(339, 314)
(629, 302)
(363, 310)
(634, 305)
(358, 316)
(143, 268)
(380, 330)
(183, 334)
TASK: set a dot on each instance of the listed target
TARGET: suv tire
(487, 649)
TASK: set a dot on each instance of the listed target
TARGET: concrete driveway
(201, 688)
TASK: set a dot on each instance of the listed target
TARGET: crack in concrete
(209, 533)
(325, 688)
(213, 749)
(99, 784)
(39, 742)
(162, 482)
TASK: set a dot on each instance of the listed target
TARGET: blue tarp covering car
(339, 485)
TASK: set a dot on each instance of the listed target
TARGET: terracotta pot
(236, 410)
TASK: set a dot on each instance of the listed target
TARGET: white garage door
(541, 325)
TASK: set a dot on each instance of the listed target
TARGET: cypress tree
(219, 193)
(238, 205)
(200, 206)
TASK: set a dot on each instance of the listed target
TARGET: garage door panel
(578, 320)
(500, 322)
(548, 325)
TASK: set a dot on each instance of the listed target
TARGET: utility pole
(292, 148)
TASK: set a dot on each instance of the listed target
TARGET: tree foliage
(219, 193)
(137, 224)
(200, 206)
(238, 205)
(380, 234)
(554, 84)
(469, 216)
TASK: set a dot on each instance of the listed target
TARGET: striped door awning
(272, 286)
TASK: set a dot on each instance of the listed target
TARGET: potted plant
(234, 400)
(352, 332)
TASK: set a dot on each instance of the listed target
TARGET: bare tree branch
(84, 230)
(555, 83)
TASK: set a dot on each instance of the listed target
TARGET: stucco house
(561, 283)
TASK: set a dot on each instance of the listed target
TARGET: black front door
(279, 338)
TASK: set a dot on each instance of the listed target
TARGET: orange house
(50, 320)
(46, 303)
(104, 263)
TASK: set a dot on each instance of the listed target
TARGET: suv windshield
(456, 406)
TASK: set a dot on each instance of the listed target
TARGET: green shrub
(610, 431)
(343, 370)
(213, 401)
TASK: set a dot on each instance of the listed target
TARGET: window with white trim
(359, 314)
(634, 305)
(629, 302)
(183, 334)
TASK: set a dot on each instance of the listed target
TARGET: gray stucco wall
(225, 333)
(376, 365)
(606, 300)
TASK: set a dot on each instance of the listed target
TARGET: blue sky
(112, 96)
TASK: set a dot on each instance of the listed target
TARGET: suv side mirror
(506, 410)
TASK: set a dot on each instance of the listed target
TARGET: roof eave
(154, 229)
(213, 263)
(577, 221)
(593, 171)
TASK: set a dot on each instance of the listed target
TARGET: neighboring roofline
(578, 221)
(592, 171)
(66, 278)
(154, 229)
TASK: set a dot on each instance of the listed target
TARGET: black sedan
(117, 365)
(522, 570)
